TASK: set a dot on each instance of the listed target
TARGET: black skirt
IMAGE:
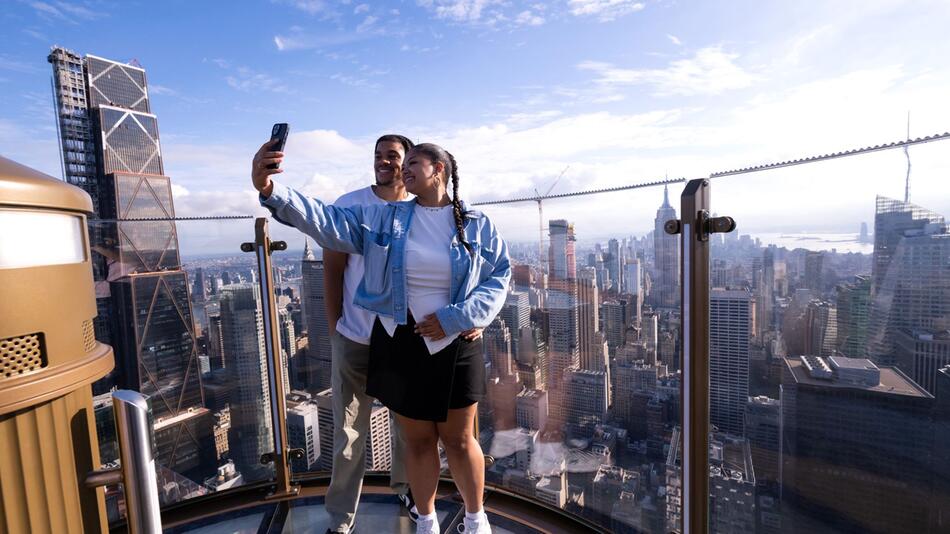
(415, 384)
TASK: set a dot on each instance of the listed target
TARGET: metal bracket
(274, 246)
(673, 226)
(712, 225)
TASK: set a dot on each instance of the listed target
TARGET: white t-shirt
(356, 324)
(428, 268)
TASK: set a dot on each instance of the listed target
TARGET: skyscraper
(614, 264)
(831, 409)
(588, 312)
(200, 291)
(765, 292)
(562, 261)
(585, 401)
(562, 307)
(110, 148)
(821, 328)
(922, 353)
(316, 368)
(666, 253)
(288, 346)
(497, 345)
(814, 264)
(531, 409)
(731, 484)
(243, 328)
(853, 301)
(303, 430)
(730, 323)
(911, 287)
(762, 422)
(614, 324)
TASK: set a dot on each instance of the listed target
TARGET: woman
(433, 271)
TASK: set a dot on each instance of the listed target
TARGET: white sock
(431, 517)
(476, 516)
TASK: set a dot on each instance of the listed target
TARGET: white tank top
(428, 268)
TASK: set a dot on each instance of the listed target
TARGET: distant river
(842, 242)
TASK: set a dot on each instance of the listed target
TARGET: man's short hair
(396, 138)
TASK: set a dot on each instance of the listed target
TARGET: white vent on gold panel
(21, 354)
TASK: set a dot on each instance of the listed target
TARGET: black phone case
(279, 134)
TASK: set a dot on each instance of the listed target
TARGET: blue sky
(621, 91)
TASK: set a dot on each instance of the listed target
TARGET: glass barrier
(179, 303)
(582, 363)
(829, 319)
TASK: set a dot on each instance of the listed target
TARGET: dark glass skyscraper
(911, 277)
(857, 444)
(111, 149)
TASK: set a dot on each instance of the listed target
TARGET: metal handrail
(136, 473)
(263, 247)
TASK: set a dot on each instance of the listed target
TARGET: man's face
(388, 162)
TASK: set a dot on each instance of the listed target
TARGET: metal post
(694, 229)
(133, 427)
(263, 247)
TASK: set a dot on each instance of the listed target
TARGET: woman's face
(420, 174)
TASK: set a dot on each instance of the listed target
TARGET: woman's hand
(260, 174)
(430, 328)
(472, 334)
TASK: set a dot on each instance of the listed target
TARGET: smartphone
(278, 137)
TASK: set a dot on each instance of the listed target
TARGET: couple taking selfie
(412, 277)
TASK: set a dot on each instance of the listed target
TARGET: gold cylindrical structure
(49, 357)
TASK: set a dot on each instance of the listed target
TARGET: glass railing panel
(179, 303)
(583, 361)
(829, 319)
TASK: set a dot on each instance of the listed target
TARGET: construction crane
(540, 200)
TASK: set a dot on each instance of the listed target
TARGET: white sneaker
(427, 525)
(478, 525)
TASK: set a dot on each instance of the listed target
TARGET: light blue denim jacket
(379, 232)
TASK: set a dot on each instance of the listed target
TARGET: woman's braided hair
(438, 154)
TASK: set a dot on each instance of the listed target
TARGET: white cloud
(35, 34)
(354, 81)
(527, 18)
(248, 80)
(710, 71)
(674, 39)
(362, 8)
(604, 10)
(312, 7)
(459, 10)
(298, 39)
(156, 89)
(66, 11)
(516, 154)
(15, 65)
(367, 24)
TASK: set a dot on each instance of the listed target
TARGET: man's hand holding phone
(267, 160)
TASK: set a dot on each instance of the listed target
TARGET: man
(350, 329)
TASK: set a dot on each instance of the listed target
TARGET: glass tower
(110, 146)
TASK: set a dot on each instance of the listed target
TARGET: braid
(456, 203)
